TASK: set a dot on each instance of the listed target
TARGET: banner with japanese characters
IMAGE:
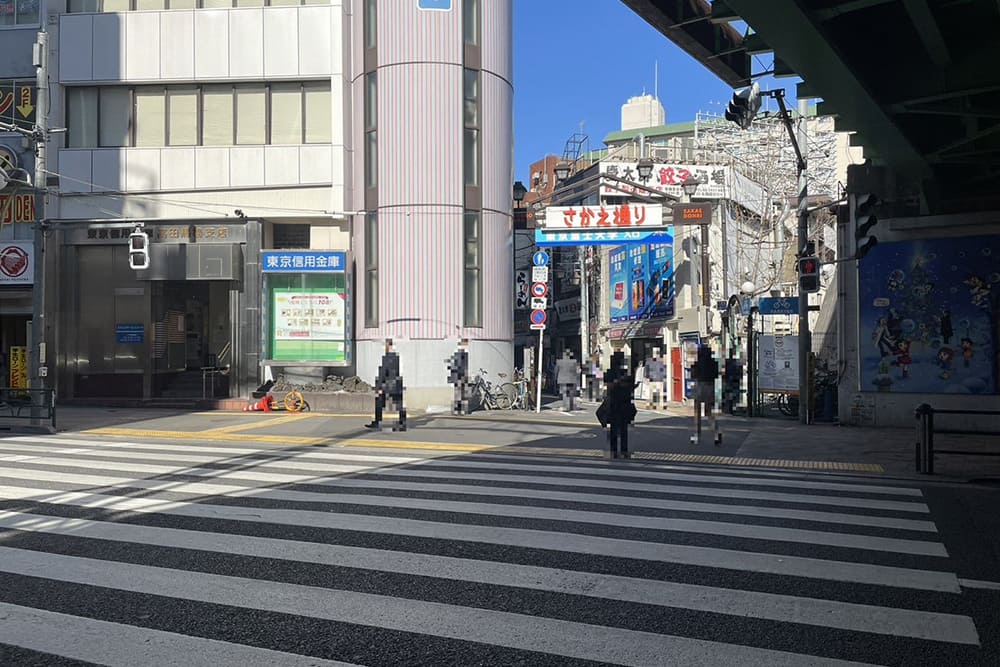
(628, 217)
(716, 182)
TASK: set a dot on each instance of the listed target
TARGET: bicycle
(489, 398)
(516, 391)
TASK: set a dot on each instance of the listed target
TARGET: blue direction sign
(538, 317)
(551, 239)
(540, 258)
(778, 305)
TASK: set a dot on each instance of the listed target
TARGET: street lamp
(690, 184)
(519, 191)
(645, 168)
(562, 170)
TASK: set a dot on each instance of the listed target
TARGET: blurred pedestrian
(458, 375)
(656, 373)
(617, 410)
(389, 388)
(705, 371)
(568, 379)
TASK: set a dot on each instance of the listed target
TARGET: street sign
(538, 327)
(538, 317)
(539, 289)
(540, 258)
(539, 302)
(17, 104)
(778, 306)
(539, 274)
(692, 214)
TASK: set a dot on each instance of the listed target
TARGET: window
(19, 12)
(470, 139)
(209, 115)
(371, 23)
(74, 6)
(371, 130)
(217, 116)
(319, 118)
(371, 270)
(251, 115)
(150, 117)
(472, 312)
(81, 114)
(114, 117)
(286, 113)
(182, 117)
(470, 22)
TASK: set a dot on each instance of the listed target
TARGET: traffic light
(138, 249)
(744, 106)
(808, 274)
(863, 210)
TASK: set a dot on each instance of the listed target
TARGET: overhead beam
(717, 46)
(798, 41)
(829, 13)
(966, 140)
(930, 33)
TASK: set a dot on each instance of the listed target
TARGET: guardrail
(17, 403)
(926, 430)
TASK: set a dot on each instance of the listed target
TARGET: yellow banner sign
(17, 208)
(19, 367)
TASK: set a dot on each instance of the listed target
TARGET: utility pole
(37, 358)
(805, 338)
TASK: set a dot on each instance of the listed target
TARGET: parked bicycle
(489, 397)
(516, 390)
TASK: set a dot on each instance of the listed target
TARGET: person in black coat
(618, 410)
(389, 387)
(705, 371)
(458, 375)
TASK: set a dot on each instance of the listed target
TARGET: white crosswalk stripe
(177, 553)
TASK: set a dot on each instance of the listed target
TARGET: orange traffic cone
(263, 404)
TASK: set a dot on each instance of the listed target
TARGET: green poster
(308, 324)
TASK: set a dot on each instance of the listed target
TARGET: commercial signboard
(717, 182)
(633, 216)
(18, 367)
(17, 262)
(18, 207)
(307, 306)
(642, 281)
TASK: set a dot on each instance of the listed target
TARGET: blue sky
(580, 60)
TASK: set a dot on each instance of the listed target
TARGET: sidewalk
(655, 436)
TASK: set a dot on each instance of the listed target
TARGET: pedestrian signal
(808, 274)
(138, 250)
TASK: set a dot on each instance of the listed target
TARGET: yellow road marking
(307, 413)
(207, 435)
(256, 424)
(289, 440)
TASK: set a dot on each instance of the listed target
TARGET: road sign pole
(538, 388)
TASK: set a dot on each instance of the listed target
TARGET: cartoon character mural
(930, 315)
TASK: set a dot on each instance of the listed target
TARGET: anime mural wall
(930, 316)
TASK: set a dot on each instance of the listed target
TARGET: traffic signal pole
(37, 360)
(805, 336)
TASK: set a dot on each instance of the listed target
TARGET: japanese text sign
(303, 261)
(622, 217)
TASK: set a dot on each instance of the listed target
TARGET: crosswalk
(127, 553)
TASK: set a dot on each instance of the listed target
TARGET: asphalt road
(180, 552)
